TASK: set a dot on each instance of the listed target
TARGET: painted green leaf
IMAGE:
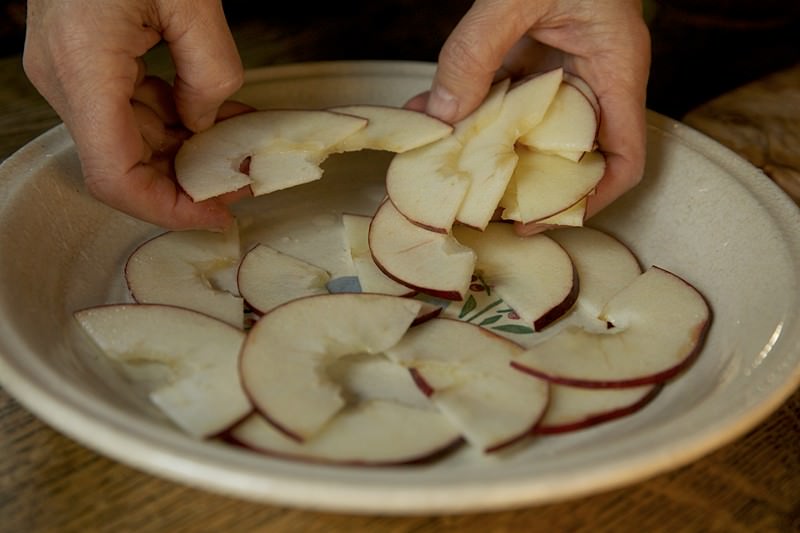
(514, 328)
(491, 320)
(468, 306)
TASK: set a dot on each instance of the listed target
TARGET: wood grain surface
(49, 483)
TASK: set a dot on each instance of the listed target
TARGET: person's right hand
(85, 58)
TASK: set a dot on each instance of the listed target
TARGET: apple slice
(268, 278)
(533, 275)
(657, 326)
(547, 184)
(267, 150)
(430, 262)
(387, 420)
(574, 408)
(195, 355)
(489, 156)
(570, 124)
(370, 277)
(587, 91)
(392, 129)
(285, 359)
(604, 264)
(191, 269)
(427, 185)
(466, 371)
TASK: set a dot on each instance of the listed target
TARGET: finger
(207, 63)
(156, 94)
(472, 54)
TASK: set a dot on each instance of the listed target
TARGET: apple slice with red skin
(426, 184)
(268, 278)
(533, 275)
(604, 264)
(430, 262)
(546, 184)
(586, 89)
(202, 392)
(191, 269)
(370, 277)
(575, 408)
(657, 326)
(387, 420)
(570, 124)
(489, 155)
(280, 149)
(284, 361)
(466, 372)
(392, 129)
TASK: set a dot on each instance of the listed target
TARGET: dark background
(701, 48)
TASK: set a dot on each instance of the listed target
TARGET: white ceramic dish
(701, 211)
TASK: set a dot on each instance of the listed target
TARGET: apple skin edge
(561, 309)
(658, 377)
(594, 420)
(432, 456)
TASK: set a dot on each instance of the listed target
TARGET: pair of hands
(85, 59)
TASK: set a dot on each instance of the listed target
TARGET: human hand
(605, 42)
(85, 59)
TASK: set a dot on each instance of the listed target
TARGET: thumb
(207, 64)
(471, 56)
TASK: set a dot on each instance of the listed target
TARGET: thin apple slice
(573, 216)
(189, 269)
(277, 148)
(657, 325)
(285, 358)
(570, 124)
(548, 184)
(268, 278)
(574, 408)
(604, 264)
(533, 275)
(370, 277)
(466, 372)
(392, 129)
(426, 184)
(587, 91)
(387, 420)
(430, 262)
(489, 156)
(200, 389)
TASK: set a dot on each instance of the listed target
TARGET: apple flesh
(282, 148)
(545, 184)
(391, 129)
(570, 124)
(198, 354)
(426, 184)
(370, 277)
(268, 278)
(191, 269)
(286, 375)
(575, 408)
(604, 264)
(489, 155)
(657, 325)
(533, 275)
(387, 420)
(466, 372)
(430, 262)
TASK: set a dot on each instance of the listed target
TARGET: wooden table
(50, 483)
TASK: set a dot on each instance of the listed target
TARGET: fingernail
(442, 104)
